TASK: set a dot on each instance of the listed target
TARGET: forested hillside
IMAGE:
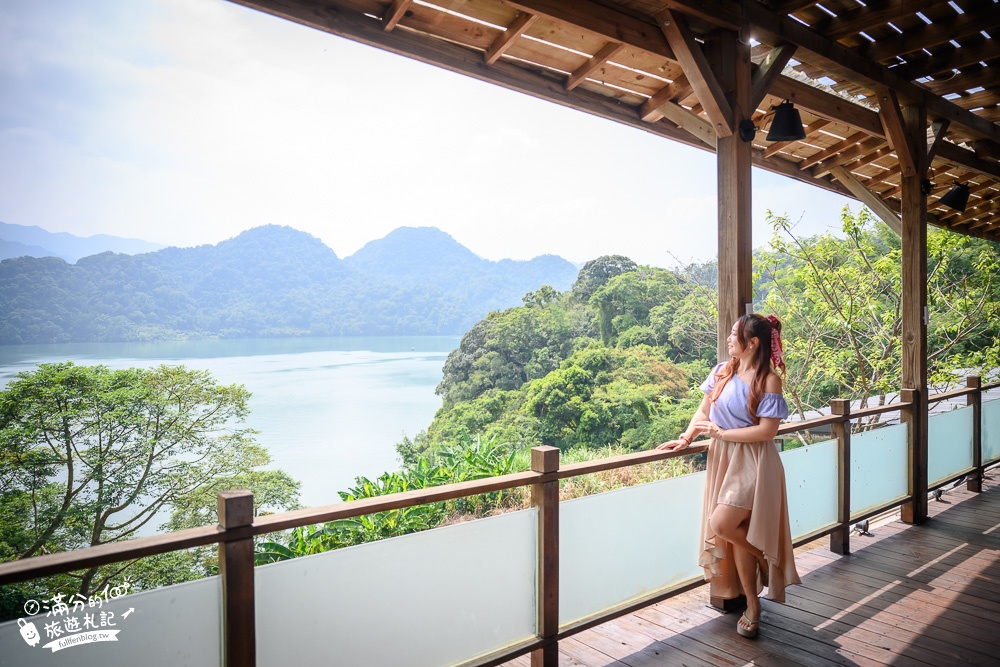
(269, 281)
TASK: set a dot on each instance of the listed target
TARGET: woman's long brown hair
(747, 327)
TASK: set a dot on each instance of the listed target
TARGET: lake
(328, 409)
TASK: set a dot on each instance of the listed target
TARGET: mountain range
(19, 240)
(268, 281)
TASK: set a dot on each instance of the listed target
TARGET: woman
(747, 539)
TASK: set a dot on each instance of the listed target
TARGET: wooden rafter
(842, 61)
(939, 129)
(606, 53)
(508, 37)
(669, 93)
(892, 120)
(866, 147)
(690, 122)
(813, 127)
(394, 13)
(689, 54)
(859, 19)
(835, 149)
(949, 57)
(939, 32)
(768, 72)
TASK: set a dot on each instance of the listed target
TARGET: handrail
(955, 393)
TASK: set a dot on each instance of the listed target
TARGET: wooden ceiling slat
(669, 93)
(847, 157)
(957, 83)
(862, 18)
(832, 150)
(945, 58)
(955, 27)
(812, 128)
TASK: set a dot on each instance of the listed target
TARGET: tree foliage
(90, 455)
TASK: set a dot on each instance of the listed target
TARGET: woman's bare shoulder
(772, 385)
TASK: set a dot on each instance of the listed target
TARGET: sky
(186, 122)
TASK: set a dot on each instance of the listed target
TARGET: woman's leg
(730, 523)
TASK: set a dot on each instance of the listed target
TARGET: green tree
(839, 301)
(90, 455)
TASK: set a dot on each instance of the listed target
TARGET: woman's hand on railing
(681, 442)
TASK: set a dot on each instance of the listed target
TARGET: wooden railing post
(840, 540)
(915, 509)
(545, 496)
(975, 399)
(236, 562)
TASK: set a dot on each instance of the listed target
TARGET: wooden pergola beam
(508, 37)
(939, 129)
(606, 53)
(695, 125)
(698, 71)
(837, 59)
(669, 93)
(892, 120)
(769, 71)
(394, 13)
(868, 198)
(939, 32)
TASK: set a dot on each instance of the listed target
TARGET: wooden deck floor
(908, 595)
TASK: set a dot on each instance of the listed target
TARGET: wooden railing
(237, 527)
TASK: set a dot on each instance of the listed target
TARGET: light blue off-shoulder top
(731, 409)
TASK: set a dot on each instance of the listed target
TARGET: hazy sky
(188, 121)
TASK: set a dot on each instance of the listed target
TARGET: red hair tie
(777, 357)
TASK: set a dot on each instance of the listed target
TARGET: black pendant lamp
(787, 124)
(957, 198)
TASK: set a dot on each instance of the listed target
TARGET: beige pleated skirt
(748, 475)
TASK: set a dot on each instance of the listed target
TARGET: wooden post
(914, 306)
(975, 399)
(545, 496)
(729, 56)
(236, 563)
(915, 509)
(840, 541)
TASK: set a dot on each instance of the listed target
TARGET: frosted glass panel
(879, 467)
(991, 430)
(628, 543)
(811, 481)
(949, 444)
(165, 627)
(434, 598)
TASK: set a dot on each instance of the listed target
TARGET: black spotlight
(787, 124)
(957, 198)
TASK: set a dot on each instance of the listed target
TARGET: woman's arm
(693, 430)
(765, 430)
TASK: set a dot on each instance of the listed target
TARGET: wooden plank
(606, 53)
(868, 198)
(507, 38)
(600, 20)
(394, 13)
(892, 120)
(778, 146)
(686, 120)
(939, 129)
(545, 496)
(236, 571)
(768, 72)
(955, 27)
(866, 147)
(698, 72)
(832, 151)
(669, 93)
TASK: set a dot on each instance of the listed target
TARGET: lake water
(328, 409)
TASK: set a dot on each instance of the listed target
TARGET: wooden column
(840, 541)
(914, 305)
(975, 399)
(545, 496)
(729, 56)
(236, 562)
